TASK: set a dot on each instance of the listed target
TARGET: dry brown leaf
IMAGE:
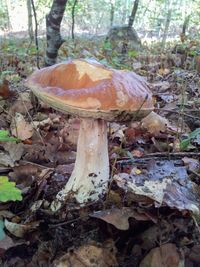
(15, 150)
(5, 90)
(164, 183)
(20, 128)
(89, 255)
(154, 123)
(21, 105)
(163, 256)
(19, 230)
(117, 130)
(163, 71)
(6, 243)
(5, 160)
(193, 164)
(119, 217)
(161, 86)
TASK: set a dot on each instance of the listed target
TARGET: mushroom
(96, 94)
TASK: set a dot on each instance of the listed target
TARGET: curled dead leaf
(154, 123)
(119, 217)
(19, 230)
(163, 182)
(164, 256)
(20, 128)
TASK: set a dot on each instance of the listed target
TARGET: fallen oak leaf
(15, 150)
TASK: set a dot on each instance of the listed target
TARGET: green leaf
(132, 53)
(107, 45)
(194, 134)
(4, 137)
(185, 143)
(2, 233)
(8, 191)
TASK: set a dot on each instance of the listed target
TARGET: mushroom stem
(90, 176)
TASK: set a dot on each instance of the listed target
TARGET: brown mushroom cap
(90, 89)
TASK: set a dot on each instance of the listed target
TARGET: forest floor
(150, 215)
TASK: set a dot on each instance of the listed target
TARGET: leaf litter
(150, 214)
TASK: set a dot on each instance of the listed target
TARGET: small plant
(4, 137)
(185, 143)
(8, 190)
(132, 53)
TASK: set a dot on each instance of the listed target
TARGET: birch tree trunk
(73, 17)
(54, 39)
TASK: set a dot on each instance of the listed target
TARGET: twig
(138, 110)
(67, 222)
(173, 154)
(195, 222)
(178, 112)
(4, 170)
(73, 17)
(112, 176)
(36, 33)
(35, 164)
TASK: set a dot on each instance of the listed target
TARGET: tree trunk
(54, 39)
(8, 9)
(30, 21)
(73, 17)
(167, 23)
(130, 24)
(184, 28)
(133, 13)
(112, 12)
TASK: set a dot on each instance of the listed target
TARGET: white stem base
(89, 179)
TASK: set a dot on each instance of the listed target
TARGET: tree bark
(133, 13)
(112, 12)
(8, 8)
(184, 28)
(30, 21)
(36, 32)
(130, 24)
(167, 23)
(73, 17)
(54, 39)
